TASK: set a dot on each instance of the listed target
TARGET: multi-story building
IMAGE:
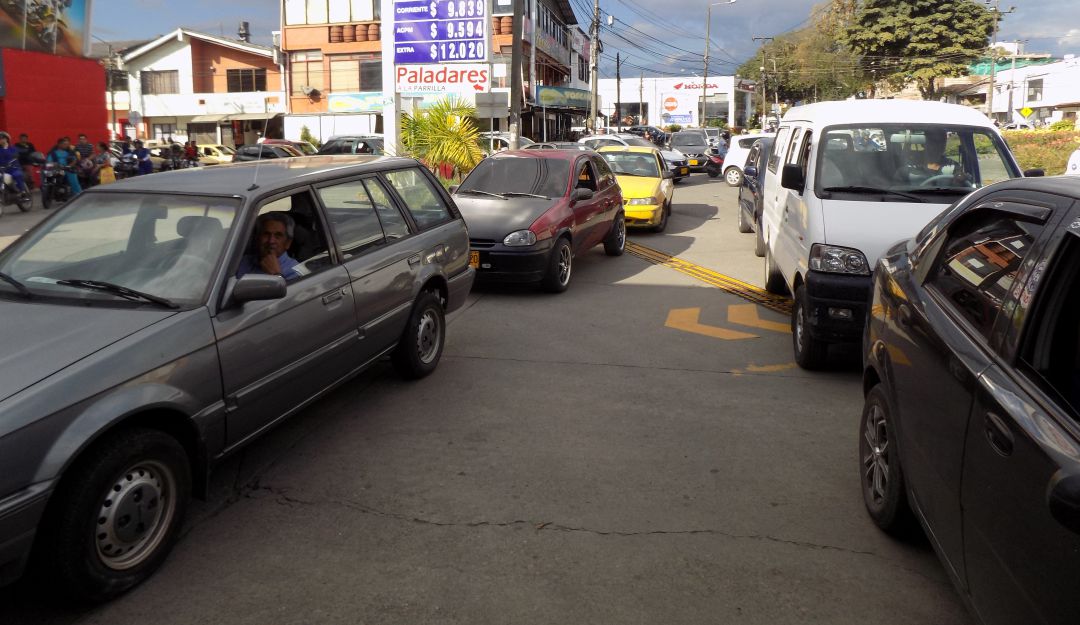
(333, 51)
(192, 86)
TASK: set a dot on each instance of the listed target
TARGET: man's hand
(269, 264)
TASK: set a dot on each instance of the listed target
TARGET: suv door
(1021, 485)
(946, 336)
(276, 355)
(368, 229)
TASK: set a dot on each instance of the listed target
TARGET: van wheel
(113, 523)
(774, 280)
(421, 345)
(759, 242)
(810, 353)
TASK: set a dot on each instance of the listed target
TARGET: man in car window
(274, 235)
(936, 161)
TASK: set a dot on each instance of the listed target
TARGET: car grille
(481, 244)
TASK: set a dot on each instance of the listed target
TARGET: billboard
(52, 26)
(679, 107)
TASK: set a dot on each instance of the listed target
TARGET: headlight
(641, 201)
(833, 259)
(521, 238)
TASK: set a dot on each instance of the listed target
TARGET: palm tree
(444, 136)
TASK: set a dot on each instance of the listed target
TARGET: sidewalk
(15, 222)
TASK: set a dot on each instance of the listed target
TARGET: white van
(847, 179)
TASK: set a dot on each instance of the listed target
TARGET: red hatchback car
(529, 212)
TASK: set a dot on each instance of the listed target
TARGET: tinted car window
(393, 222)
(420, 198)
(333, 147)
(746, 143)
(607, 177)
(542, 176)
(978, 263)
(352, 217)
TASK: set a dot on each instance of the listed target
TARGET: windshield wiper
(523, 194)
(122, 291)
(25, 292)
(860, 189)
(943, 190)
(479, 192)
(626, 173)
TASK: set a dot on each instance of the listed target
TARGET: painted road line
(687, 320)
(747, 315)
(731, 285)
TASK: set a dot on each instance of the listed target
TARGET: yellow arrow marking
(747, 315)
(686, 319)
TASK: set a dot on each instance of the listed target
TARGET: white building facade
(661, 101)
(1050, 91)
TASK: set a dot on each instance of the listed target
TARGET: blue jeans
(73, 182)
(20, 181)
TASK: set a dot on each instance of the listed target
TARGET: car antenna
(255, 179)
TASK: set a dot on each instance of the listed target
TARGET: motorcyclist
(146, 166)
(26, 149)
(9, 160)
(66, 157)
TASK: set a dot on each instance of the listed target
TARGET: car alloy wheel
(875, 456)
(733, 176)
(565, 262)
(880, 473)
(136, 511)
(615, 242)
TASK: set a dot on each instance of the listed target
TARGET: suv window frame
(434, 184)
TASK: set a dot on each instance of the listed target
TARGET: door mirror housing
(792, 178)
(453, 188)
(1034, 173)
(257, 287)
(750, 171)
(667, 175)
(578, 195)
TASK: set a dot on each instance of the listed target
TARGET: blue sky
(1048, 25)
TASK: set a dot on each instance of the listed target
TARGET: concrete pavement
(573, 459)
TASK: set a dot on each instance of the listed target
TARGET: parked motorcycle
(10, 194)
(127, 166)
(715, 166)
(54, 184)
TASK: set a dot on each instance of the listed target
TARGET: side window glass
(288, 236)
(1050, 354)
(393, 222)
(586, 179)
(607, 178)
(804, 158)
(420, 198)
(778, 147)
(352, 217)
(792, 148)
(751, 158)
(978, 263)
(347, 147)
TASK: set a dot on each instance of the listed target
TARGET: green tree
(305, 135)
(919, 41)
(444, 134)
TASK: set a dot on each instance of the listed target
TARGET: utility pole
(618, 92)
(515, 76)
(764, 100)
(993, 56)
(705, 73)
(641, 100)
(594, 56)
(111, 69)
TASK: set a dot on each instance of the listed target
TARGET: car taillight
(716, 159)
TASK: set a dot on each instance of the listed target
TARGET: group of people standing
(86, 164)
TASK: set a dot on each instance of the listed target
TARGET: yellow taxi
(646, 183)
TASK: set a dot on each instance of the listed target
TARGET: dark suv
(260, 152)
(353, 144)
(165, 321)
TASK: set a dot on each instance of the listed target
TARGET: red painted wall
(51, 96)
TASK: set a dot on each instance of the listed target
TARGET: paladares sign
(465, 77)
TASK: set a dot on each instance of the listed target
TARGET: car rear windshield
(514, 174)
(632, 164)
(687, 139)
(923, 159)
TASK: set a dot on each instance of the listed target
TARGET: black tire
(24, 201)
(615, 242)
(664, 215)
(880, 474)
(759, 242)
(744, 223)
(733, 176)
(89, 546)
(421, 345)
(560, 267)
(714, 172)
(810, 353)
(774, 280)
(46, 196)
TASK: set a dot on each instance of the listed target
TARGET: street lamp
(705, 77)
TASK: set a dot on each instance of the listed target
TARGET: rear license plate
(474, 260)
(684, 171)
(694, 162)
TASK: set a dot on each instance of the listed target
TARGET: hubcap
(876, 455)
(799, 327)
(564, 265)
(135, 513)
(733, 176)
(427, 337)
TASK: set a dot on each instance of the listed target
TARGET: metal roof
(268, 175)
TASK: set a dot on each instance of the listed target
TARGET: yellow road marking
(770, 368)
(731, 285)
(687, 320)
(747, 315)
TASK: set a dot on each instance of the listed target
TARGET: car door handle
(998, 434)
(333, 297)
(903, 315)
(414, 260)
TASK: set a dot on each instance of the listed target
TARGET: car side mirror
(1034, 173)
(750, 171)
(668, 175)
(454, 188)
(578, 195)
(792, 178)
(257, 287)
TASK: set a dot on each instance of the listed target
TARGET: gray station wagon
(155, 325)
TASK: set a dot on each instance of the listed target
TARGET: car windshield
(632, 164)
(689, 139)
(541, 176)
(923, 159)
(166, 246)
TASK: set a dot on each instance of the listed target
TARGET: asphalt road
(573, 460)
